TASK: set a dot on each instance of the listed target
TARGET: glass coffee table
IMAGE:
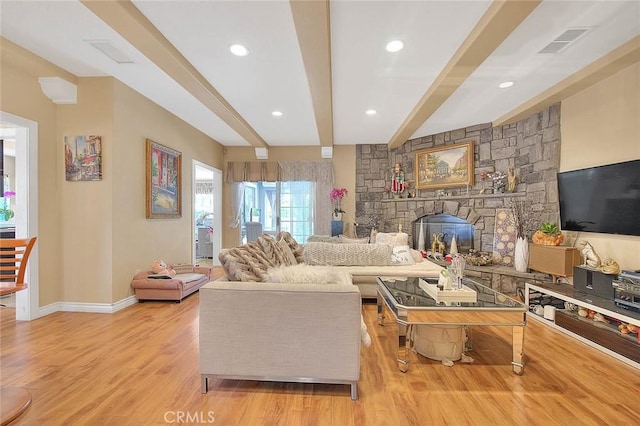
(411, 306)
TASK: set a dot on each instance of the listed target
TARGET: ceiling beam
(500, 19)
(312, 22)
(614, 61)
(131, 24)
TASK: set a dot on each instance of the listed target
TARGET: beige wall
(138, 241)
(94, 235)
(20, 95)
(601, 125)
(87, 222)
(344, 160)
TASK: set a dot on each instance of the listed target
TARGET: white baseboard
(100, 308)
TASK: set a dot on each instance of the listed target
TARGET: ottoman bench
(188, 279)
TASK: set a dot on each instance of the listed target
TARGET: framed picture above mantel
(445, 166)
(164, 181)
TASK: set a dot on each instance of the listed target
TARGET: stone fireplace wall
(531, 146)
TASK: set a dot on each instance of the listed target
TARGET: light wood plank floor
(140, 366)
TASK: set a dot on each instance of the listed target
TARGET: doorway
(25, 134)
(207, 213)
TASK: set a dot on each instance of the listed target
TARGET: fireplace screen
(445, 227)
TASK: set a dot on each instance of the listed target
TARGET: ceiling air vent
(564, 40)
(110, 51)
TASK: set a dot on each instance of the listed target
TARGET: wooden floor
(140, 366)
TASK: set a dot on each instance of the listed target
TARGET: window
(280, 206)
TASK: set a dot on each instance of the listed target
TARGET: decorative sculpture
(435, 243)
(590, 256)
(397, 180)
(511, 179)
(610, 267)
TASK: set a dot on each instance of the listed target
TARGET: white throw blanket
(307, 274)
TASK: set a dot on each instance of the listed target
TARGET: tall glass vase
(521, 255)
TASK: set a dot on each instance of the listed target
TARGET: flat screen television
(604, 199)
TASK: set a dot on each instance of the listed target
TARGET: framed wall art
(164, 181)
(445, 166)
(83, 158)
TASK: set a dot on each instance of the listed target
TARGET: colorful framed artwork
(164, 181)
(83, 158)
(445, 166)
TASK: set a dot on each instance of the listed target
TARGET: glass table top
(409, 295)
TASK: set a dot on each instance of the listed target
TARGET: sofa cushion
(323, 239)
(347, 254)
(392, 238)
(188, 277)
(347, 240)
(308, 274)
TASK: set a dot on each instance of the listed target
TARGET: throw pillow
(402, 256)
(392, 238)
(288, 253)
(295, 247)
(348, 240)
(417, 256)
(347, 254)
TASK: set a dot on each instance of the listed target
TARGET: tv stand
(604, 337)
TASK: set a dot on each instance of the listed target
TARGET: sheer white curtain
(239, 172)
(320, 172)
(237, 196)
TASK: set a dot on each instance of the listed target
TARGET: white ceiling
(363, 75)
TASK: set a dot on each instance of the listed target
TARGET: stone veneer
(531, 146)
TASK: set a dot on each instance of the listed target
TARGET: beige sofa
(280, 314)
(306, 333)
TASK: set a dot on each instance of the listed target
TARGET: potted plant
(336, 196)
(549, 234)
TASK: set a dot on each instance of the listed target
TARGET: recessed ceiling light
(371, 112)
(505, 84)
(277, 113)
(239, 50)
(394, 46)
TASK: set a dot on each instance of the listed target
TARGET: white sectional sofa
(365, 262)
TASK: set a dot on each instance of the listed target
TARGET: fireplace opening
(445, 226)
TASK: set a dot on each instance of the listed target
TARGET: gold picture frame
(164, 181)
(445, 166)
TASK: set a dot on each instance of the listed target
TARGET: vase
(521, 255)
(337, 216)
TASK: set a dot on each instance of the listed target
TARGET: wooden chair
(14, 255)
